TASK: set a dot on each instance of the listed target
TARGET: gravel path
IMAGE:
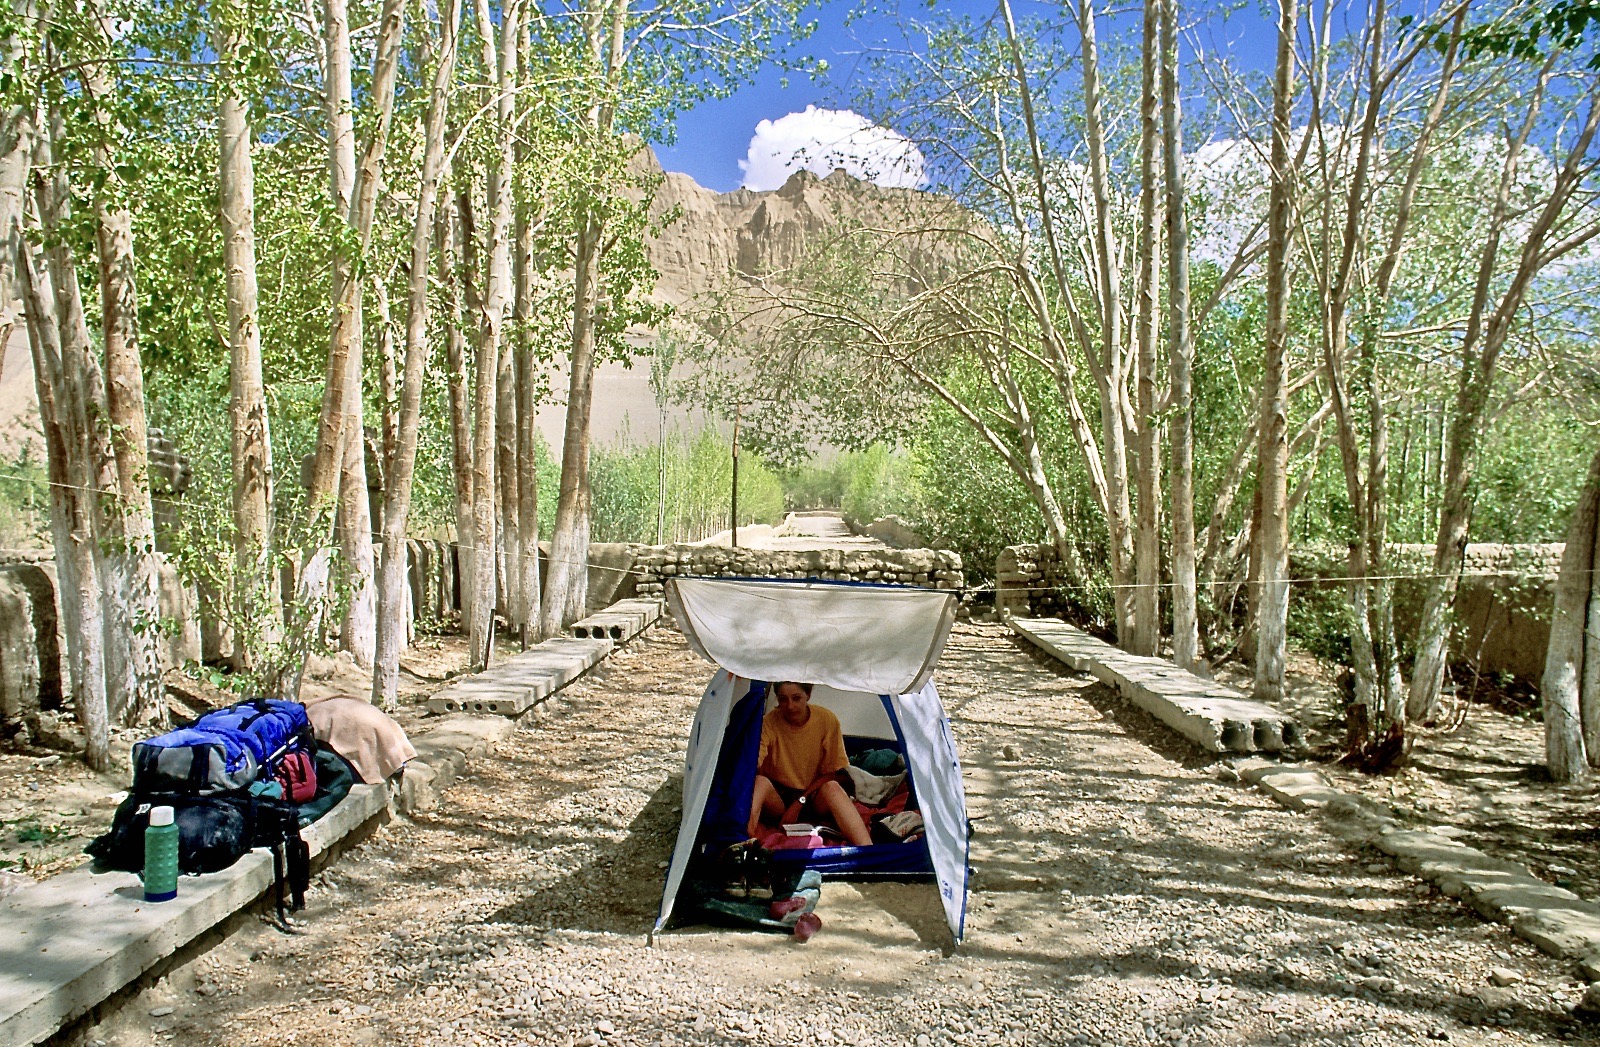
(1124, 893)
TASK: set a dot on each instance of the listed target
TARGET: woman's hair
(806, 687)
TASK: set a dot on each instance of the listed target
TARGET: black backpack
(213, 833)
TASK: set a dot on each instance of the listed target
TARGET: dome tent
(870, 649)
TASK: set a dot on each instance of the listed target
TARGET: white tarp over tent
(862, 641)
(875, 638)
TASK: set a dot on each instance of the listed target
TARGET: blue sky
(715, 136)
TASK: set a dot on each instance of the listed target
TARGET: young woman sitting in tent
(869, 652)
(802, 759)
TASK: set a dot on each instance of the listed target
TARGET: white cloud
(821, 140)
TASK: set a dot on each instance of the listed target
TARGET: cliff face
(751, 233)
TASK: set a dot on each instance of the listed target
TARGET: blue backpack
(222, 751)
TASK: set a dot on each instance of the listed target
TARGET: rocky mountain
(755, 233)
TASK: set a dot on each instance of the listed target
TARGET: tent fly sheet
(871, 651)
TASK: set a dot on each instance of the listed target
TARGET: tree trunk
(1180, 352)
(16, 158)
(1110, 375)
(1488, 326)
(508, 475)
(355, 194)
(81, 396)
(1272, 575)
(135, 606)
(338, 469)
(71, 516)
(328, 458)
(1569, 739)
(453, 273)
(499, 63)
(394, 595)
(256, 596)
(566, 596)
(1146, 633)
(1589, 689)
(527, 584)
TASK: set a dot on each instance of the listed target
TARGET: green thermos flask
(160, 856)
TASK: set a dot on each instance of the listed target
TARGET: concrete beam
(622, 621)
(523, 680)
(75, 939)
(1214, 717)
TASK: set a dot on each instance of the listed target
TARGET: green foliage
(816, 484)
(879, 482)
(24, 501)
(684, 483)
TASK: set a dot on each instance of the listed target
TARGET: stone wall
(929, 568)
(33, 665)
(1028, 581)
(34, 674)
(1502, 607)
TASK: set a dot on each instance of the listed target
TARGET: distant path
(804, 531)
(1123, 894)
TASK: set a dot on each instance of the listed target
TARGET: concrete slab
(621, 621)
(1297, 788)
(524, 679)
(442, 754)
(77, 938)
(1212, 716)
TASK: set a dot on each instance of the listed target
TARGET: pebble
(160, 1012)
(1503, 976)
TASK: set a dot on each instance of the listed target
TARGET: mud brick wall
(1501, 612)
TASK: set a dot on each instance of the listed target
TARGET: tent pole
(737, 411)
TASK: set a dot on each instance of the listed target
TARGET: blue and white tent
(870, 650)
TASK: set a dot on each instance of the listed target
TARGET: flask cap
(161, 816)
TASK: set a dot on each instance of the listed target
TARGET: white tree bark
(453, 274)
(1271, 568)
(1568, 704)
(71, 516)
(400, 470)
(1180, 357)
(567, 594)
(1145, 636)
(255, 591)
(499, 58)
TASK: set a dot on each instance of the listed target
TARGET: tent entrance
(869, 723)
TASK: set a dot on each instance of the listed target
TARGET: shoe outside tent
(870, 650)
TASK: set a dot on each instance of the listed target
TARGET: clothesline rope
(964, 589)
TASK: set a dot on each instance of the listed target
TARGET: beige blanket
(362, 733)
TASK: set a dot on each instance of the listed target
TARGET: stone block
(38, 582)
(19, 662)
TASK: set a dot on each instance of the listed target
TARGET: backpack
(297, 774)
(213, 833)
(223, 751)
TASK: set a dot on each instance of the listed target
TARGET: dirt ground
(1122, 892)
(1479, 777)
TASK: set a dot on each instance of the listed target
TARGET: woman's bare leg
(833, 799)
(763, 801)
